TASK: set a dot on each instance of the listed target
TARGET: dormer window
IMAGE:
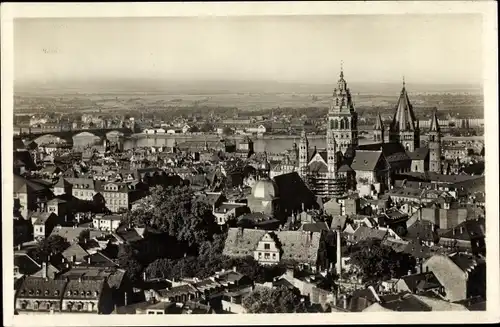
(56, 293)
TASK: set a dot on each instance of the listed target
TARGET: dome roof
(265, 189)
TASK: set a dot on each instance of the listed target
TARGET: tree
(175, 212)
(274, 300)
(84, 236)
(194, 129)
(207, 128)
(379, 262)
(227, 131)
(52, 245)
(127, 259)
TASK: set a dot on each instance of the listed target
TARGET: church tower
(435, 145)
(331, 151)
(342, 118)
(303, 154)
(378, 130)
(404, 128)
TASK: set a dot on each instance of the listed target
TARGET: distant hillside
(150, 86)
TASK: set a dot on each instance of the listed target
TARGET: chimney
(44, 269)
(88, 260)
(290, 272)
(409, 272)
(234, 268)
(19, 247)
(339, 253)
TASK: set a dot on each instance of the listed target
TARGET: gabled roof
(51, 271)
(422, 230)
(75, 250)
(366, 160)
(365, 233)
(41, 217)
(318, 167)
(25, 264)
(421, 282)
(23, 185)
(296, 245)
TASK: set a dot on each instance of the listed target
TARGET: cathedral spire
(379, 125)
(434, 122)
(341, 69)
(404, 117)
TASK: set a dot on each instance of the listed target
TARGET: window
(266, 255)
(267, 246)
(274, 255)
(260, 254)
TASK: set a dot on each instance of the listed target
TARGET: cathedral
(345, 165)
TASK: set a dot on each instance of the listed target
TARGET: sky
(438, 49)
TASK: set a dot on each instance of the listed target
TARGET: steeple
(404, 127)
(404, 117)
(434, 143)
(434, 123)
(379, 125)
(378, 130)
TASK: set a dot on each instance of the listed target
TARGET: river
(271, 145)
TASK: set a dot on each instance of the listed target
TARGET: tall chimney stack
(339, 253)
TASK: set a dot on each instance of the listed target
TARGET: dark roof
(464, 261)
(84, 288)
(403, 302)
(365, 233)
(419, 154)
(293, 191)
(345, 168)
(25, 264)
(318, 167)
(296, 245)
(388, 149)
(100, 260)
(23, 185)
(421, 282)
(315, 227)
(35, 287)
(366, 160)
(422, 230)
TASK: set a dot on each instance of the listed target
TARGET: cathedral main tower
(342, 118)
(404, 128)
